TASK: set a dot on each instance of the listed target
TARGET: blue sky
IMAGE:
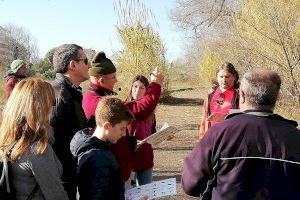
(89, 23)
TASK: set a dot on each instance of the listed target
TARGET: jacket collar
(102, 89)
(263, 113)
(63, 79)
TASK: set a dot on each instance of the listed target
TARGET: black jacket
(246, 157)
(98, 172)
(67, 118)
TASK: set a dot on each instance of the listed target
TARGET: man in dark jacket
(98, 171)
(71, 66)
(254, 154)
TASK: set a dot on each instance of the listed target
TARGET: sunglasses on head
(221, 99)
(85, 60)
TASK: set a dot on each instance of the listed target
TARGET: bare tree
(202, 16)
(21, 43)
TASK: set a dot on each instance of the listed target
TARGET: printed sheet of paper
(164, 133)
(153, 190)
(216, 117)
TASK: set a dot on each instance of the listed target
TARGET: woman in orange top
(223, 98)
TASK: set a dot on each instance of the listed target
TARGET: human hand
(144, 197)
(157, 77)
(140, 143)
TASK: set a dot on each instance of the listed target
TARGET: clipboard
(163, 134)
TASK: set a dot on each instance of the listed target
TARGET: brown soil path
(184, 112)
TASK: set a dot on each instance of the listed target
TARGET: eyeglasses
(85, 60)
(221, 99)
(110, 78)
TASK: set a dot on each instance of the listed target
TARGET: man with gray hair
(71, 66)
(254, 154)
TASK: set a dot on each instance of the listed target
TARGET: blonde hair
(25, 118)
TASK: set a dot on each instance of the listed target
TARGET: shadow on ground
(175, 101)
(188, 127)
(173, 148)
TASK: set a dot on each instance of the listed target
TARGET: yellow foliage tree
(207, 67)
(143, 49)
(270, 30)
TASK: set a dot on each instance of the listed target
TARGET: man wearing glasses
(103, 78)
(71, 66)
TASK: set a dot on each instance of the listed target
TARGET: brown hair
(25, 118)
(112, 110)
(143, 80)
(231, 69)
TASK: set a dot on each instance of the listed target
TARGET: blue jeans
(143, 177)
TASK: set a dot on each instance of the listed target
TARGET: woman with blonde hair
(25, 133)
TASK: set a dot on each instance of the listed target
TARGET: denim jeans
(143, 177)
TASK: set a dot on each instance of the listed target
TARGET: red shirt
(221, 102)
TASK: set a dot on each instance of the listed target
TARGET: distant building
(6, 54)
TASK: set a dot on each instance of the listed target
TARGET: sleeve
(203, 122)
(198, 168)
(100, 187)
(58, 113)
(144, 107)
(60, 125)
(9, 86)
(45, 169)
(103, 184)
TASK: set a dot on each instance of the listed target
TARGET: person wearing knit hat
(101, 65)
(18, 71)
(102, 80)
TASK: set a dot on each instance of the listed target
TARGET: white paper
(217, 117)
(164, 133)
(153, 190)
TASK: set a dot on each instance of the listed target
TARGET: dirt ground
(183, 110)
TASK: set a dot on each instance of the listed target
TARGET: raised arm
(144, 107)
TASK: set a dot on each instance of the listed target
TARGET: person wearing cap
(102, 80)
(71, 66)
(18, 71)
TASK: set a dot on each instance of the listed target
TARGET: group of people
(59, 140)
(79, 141)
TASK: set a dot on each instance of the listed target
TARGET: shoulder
(10, 79)
(88, 95)
(62, 92)
(32, 156)
(98, 158)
